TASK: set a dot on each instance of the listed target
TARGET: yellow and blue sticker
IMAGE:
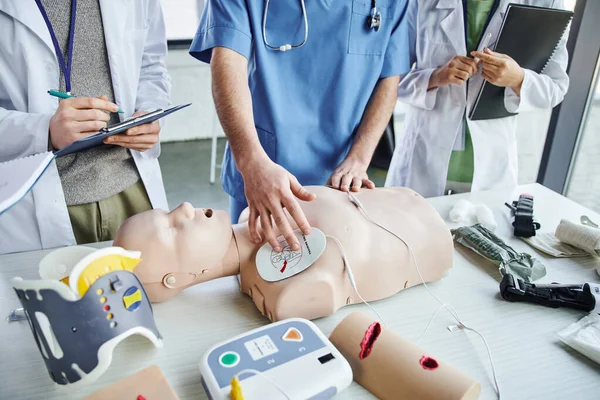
(132, 298)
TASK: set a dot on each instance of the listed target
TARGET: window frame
(568, 119)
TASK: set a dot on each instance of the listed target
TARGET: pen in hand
(62, 95)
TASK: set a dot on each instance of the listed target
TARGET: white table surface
(530, 360)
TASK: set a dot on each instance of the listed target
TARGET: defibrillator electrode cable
(354, 200)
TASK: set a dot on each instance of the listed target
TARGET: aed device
(290, 356)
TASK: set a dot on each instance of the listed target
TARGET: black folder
(530, 35)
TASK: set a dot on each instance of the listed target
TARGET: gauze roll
(584, 336)
(461, 210)
(485, 217)
(581, 236)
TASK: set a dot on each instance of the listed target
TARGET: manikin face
(184, 242)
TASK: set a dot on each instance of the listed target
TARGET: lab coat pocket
(363, 39)
(433, 54)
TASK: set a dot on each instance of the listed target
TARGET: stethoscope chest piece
(374, 20)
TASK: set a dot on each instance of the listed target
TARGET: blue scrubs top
(307, 102)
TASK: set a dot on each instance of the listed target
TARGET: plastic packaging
(584, 336)
(483, 242)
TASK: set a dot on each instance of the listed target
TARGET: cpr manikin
(189, 246)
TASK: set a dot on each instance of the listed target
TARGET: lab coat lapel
(28, 13)
(496, 23)
(453, 25)
(114, 17)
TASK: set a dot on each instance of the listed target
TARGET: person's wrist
(51, 142)
(516, 86)
(252, 159)
(361, 159)
(434, 79)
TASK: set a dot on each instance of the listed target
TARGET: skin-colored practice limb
(396, 369)
(150, 383)
(190, 246)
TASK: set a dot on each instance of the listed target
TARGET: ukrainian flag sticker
(132, 298)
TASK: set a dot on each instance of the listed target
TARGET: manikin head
(177, 247)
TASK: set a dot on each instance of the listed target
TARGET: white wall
(191, 84)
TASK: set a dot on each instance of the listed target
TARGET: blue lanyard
(66, 68)
(487, 22)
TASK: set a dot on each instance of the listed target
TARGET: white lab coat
(435, 117)
(136, 43)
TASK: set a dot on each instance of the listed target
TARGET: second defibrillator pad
(273, 266)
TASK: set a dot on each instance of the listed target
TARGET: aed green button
(229, 359)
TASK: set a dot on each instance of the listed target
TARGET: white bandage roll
(461, 210)
(485, 217)
(580, 236)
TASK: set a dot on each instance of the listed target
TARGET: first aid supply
(77, 326)
(485, 243)
(283, 360)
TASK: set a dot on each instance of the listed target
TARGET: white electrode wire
(431, 321)
(271, 381)
(450, 309)
(351, 278)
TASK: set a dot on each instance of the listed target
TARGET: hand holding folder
(140, 138)
(98, 138)
(500, 69)
(18, 176)
(529, 35)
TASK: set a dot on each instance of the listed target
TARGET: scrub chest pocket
(364, 40)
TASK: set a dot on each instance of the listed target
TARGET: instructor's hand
(351, 174)
(78, 117)
(269, 188)
(500, 70)
(457, 71)
(140, 138)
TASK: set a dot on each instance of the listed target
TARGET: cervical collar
(77, 327)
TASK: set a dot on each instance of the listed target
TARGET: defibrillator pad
(77, 330)
(273, 266)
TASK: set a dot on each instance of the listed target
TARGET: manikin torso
(380, 262)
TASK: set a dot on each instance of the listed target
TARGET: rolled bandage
(461, 210)
(580, 236)
(485, 217)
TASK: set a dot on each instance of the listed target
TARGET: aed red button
(292, 335)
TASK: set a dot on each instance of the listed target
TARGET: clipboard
(98, 138)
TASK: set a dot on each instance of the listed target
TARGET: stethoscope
(373, 22)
